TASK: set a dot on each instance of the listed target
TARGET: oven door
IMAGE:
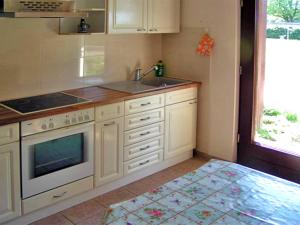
(55, 158)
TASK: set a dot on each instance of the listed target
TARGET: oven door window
(58, 154)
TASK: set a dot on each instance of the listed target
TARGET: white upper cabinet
(144, 16)
(127, 16)
(163, 16)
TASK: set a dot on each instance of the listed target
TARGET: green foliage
(271, 112)
(295, 35)
(277, 33)
(289, 10)
(268, 122)
(292, 117)
(263, 133)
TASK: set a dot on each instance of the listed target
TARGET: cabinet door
(181, 123)
(10, 196)
(109, 151)
(163, 16)
(127, 16)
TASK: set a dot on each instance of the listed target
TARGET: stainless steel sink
(163, 82)
(144, 85)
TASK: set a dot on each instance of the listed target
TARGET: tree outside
(288, 10)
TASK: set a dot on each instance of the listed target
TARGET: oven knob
(51, 125)
(80, 118)
(73, 120)
(86, 117)
(67, 122)
(44, 127)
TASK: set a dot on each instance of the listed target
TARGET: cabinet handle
(144, 119)
(145, 148)
(153, 29)
(145, 104)
(61, 195)
(141, 29)
(146, 133)
(144, 163)
(191, 103)
(109, 124)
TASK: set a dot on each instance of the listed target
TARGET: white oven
(62, 151)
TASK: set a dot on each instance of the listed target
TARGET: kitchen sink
(144, 85)
(163, 82)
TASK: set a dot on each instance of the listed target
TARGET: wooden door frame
(249, 153)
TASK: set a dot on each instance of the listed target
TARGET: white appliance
(56, 150)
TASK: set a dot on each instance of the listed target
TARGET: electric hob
(42, 102)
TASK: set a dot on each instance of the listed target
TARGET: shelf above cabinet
(76, 14)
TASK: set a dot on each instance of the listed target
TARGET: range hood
(39, 9)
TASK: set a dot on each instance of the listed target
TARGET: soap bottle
(160, 72)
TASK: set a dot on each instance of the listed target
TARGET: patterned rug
(217, 193)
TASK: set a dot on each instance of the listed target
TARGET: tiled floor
(92, 211)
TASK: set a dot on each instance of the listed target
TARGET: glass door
(269, 125)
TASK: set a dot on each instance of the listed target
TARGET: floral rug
(217, 193)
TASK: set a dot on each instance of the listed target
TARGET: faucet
(139, 75)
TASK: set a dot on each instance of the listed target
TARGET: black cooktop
(42, 102)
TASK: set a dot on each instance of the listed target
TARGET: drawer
(143, 133)
(142, 162)
(143, 148)
(144, 118)
(108, 112)
(9, 133)
(181, 95)
(56, 195)
(144, 104)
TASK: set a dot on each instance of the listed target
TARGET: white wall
(219, 73)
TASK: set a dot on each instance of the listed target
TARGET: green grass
(263, 133)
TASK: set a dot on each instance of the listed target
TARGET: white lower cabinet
(180, 128)
(109, 151)
(10, 195)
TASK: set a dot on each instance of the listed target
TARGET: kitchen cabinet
(109, 151)
(163, 16)
(180, 131)
(10, 195)
(143, 16)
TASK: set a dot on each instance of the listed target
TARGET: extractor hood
(39, 9)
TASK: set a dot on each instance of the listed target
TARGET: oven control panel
(57, 121)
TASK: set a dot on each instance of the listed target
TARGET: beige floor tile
(119, 195)
(56, 219)
(83, 211)
(97, 219)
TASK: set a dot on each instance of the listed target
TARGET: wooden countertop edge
(8, 116)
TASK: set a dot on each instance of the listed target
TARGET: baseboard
(45, 212)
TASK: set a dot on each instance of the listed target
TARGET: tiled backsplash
(34, 59)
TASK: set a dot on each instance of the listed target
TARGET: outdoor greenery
(277, 126)
(288, 10)
(279, 32)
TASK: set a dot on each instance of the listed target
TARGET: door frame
(252, 154)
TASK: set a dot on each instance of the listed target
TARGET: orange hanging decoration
(206, 45)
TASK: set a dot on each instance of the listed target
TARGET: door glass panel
(58, 154)
(277, 108)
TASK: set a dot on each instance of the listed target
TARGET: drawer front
(9, 133)
(144, 133)
(56, 195)
(144, 118)
(143, 162)
(181, 95)
(144, 104)
(108, 112)
(143, 148)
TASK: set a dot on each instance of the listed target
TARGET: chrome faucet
(139, 75)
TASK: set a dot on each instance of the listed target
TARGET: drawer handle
(145, 148)
(153, 29)
(145, 104)
(146, 133)
(60, 196)
(141, 29)
(109, 124)
(144, 119)
(144, 163)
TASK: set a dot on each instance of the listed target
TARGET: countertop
(96, 95)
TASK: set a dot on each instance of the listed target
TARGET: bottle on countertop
(160, 72)
(83, 27)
